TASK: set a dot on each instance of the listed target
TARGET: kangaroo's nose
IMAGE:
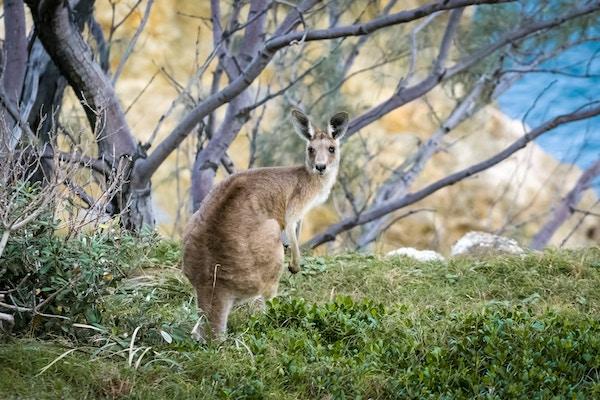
(320, 167)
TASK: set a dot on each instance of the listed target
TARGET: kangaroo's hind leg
(260, 303)
(216, 306)
(199, 330)
(272, 263)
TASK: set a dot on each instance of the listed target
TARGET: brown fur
(232, 246)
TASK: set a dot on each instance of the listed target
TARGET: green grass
(350, 326)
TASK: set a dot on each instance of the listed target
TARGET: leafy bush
(504, 353)
(342, 322)
(67, 277)
(348, 349)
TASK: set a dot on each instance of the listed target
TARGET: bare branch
(114, 26)
(137, 97)
(399, 182)
(405, 215)
(76, 158)
(586, 212)
(346, 78)
(413, 49)
(406, 95)
(375, 24)
(280, 40)
(284, 89)
(447, 39)
(22, 201)
(361, 42)
(590, 110)
(566, 207)
(578, 224)
(133, 42)
(80, 193)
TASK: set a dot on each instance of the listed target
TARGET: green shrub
(348, 349)
(69, 276)
(342, 321)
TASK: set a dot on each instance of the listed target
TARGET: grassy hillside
(350, 326)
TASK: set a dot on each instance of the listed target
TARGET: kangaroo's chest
(317, 197)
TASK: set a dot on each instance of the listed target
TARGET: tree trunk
(44, 85)
(74, 59)
(116, 144)
(15, 48)
(15, 59)
(208, 159)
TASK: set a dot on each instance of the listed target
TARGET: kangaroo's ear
(338, 125)
(302, 124)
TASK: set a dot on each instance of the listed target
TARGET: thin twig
(137, 97)
(132, 42)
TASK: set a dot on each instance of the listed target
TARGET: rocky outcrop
(419, 255)
(475, 243)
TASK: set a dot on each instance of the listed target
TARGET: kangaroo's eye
(332, 149)
(311, 150)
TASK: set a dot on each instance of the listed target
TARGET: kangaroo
(233, 249)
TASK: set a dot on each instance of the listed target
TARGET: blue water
(574, 143)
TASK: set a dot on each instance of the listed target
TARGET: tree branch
(401, 179)
(375, 24)
(588, 111)
(566, 207)
(83, 160)
(361, 42)
(406, 95)
(132, 42)
(447, 39)
(280, 40)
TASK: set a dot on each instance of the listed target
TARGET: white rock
(477, 242)
(419, 255)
